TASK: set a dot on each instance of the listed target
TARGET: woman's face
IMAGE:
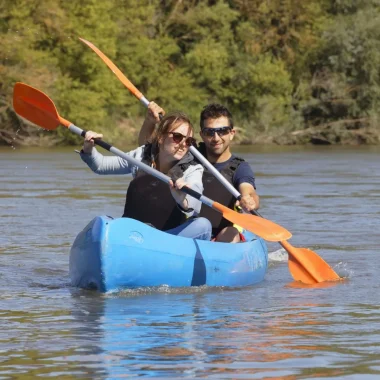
(169, 144)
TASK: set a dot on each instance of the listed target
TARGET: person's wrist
(185, 208)
(150, 120)
(185, 204)
(86, 150)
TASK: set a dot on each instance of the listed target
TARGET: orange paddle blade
(300, 273)
(35, 106)
(262, 227)
(127, 83)
(307, 266)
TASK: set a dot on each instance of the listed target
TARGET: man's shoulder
(236, 158)
(231, 164)
(244, 173)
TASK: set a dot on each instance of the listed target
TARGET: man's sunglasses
(210, 132)
(178, 137)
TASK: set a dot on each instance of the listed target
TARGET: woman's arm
(192, 177)
(100, 164)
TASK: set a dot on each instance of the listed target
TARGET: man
(217, 132)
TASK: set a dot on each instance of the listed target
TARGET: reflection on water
(202, 335)
(276, 330)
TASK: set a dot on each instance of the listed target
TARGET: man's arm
(152, 117)
(244, 181)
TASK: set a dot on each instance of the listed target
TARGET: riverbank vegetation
(291, 71)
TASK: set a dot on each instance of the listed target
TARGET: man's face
(217, 143)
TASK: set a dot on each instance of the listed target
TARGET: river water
(329, 198)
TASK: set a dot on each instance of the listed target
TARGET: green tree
(24, 28)
(289, 30)
(347, 76)
(277, 64)
(151, 58)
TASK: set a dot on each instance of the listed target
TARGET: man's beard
(213, 154)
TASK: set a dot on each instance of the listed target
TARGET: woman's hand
(178, 195)
(153, 113)
(151, 119)
(89, 141)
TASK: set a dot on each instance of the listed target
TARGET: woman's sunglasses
(178, 137)
(210, 132)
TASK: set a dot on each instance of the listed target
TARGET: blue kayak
(114, 254)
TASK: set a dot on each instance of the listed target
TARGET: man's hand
(247, 203)
(249, 199)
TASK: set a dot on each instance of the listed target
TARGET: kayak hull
(115, 254)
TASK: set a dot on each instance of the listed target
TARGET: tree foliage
(279, 65)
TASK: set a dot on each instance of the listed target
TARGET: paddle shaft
(211, 168)
(147, 169)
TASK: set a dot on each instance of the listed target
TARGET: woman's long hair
(167, 124)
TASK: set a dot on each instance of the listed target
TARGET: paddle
(304, 264)
(39, 109)
(123, 79)
(134, 91)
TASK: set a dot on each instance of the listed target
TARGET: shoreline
(336, 134)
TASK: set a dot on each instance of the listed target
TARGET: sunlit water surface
(329, 198)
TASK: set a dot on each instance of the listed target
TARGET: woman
(150, 200)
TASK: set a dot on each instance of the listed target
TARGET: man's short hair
(214, 111)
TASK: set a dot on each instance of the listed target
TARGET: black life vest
(149, 200)
(214, 190)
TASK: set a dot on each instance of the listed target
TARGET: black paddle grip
(103, 144)
(99, 142)
(191, 192)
